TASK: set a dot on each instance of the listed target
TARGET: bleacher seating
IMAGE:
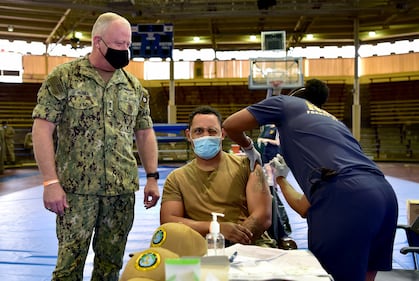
(337, 109)
(393, 90)
(335, 104)
(18, 114)
(394, 112)
(393, 103)
(369, 142)
(391, 143)
(384, 104)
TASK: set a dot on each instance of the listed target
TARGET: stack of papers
(258, 263)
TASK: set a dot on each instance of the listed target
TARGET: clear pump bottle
(215, 240)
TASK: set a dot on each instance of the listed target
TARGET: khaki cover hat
(147, 265)
(180, 239)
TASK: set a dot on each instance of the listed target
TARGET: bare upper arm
(259, 199)
(171, 209)
(42, 125)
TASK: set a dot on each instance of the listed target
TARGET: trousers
(108, 219)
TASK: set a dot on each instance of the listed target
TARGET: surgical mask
(116, 58)
(207, 147)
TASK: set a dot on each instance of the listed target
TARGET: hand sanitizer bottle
(215, 240)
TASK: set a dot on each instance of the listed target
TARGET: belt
(324, 176)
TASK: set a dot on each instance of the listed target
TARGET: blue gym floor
(28, 246)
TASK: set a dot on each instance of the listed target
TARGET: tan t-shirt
(222, 190)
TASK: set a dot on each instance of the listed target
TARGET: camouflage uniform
(9, 140)
(95, 162)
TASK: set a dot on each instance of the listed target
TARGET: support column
(171, 107)
(356, 107)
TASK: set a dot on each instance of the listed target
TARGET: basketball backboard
(281, 72)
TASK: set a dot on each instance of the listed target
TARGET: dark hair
(315, 91)
(205, 109)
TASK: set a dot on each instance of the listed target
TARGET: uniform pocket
(81, 100)
(128, 105)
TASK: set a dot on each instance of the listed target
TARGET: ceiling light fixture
(310, 36)
(10, 28)
(78, 34)
(372, 33)
(196, 39)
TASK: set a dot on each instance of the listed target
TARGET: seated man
(216, 181)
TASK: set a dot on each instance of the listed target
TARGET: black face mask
(116, 58)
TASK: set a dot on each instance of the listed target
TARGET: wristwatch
(155, 175)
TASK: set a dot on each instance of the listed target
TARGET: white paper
(258, 263)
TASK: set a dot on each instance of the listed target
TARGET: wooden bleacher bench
(13, 114)
(397, 112)
(337, 109)
(17, 113)
(14, 104)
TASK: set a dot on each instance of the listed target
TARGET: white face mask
(207, 147)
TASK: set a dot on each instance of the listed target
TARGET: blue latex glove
(279, 167)
(254, 156)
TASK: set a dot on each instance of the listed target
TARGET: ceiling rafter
(223, 22)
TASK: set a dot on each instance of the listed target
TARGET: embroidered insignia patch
(147, 261)
(159, 237)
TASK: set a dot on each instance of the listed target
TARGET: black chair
(412, 234)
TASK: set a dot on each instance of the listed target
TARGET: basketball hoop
(276, 84)
(276, 88)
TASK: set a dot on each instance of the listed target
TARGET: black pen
(232, 257)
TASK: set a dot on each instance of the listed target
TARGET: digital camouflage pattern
(96, 122)
(9, 143)
(74, 232)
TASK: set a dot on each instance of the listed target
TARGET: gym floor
(28, 244)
